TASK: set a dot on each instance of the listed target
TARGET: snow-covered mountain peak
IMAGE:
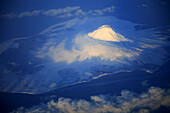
(106, 33)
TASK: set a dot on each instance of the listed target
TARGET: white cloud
(80, 12)
(94, 12)
(98, 11)
(65, 15)
(33, 13)
(128, 102)
(22, 14)
(109, 9)
(69, 11)
(54, 12)
(11, 15)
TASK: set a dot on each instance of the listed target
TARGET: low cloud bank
(128, 102)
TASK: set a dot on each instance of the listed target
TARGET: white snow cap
(106, 33)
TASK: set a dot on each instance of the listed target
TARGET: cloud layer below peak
(127, 102)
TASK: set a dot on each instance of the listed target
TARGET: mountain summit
(106, 33)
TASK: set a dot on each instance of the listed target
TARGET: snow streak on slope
(85, 48)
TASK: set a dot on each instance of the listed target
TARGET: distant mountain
(61, 57)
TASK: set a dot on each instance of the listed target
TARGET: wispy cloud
(109, 9)
(128, 102)
(33, 13)
(61, 12)
(57, 27)
(9, 15)
(22, 14)
(54, 12)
